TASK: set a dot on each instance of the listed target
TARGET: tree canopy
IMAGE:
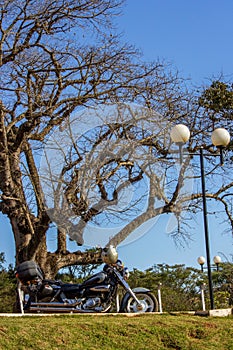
(60, 61)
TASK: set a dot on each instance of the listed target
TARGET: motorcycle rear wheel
(148, 303)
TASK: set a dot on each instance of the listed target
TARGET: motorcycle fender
(127, 295)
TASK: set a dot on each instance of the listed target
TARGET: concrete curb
(208, 313)
(215, 313)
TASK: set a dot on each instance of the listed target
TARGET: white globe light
(220, 137)
(217, 260)
(201, 260)
(180, 133)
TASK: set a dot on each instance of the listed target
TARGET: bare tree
(121, 170)
(48, 71)
(56, 58)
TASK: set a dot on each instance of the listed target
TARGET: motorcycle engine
(91, 303)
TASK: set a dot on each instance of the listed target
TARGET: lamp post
(217, 260)
(220, 137)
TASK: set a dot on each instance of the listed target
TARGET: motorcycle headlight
(109, 255)
(126, 273)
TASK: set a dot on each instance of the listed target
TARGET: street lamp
(220, 137)
(217, 260)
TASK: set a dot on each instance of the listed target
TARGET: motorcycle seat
(70, 287)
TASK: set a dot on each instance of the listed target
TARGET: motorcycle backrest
(28, 271)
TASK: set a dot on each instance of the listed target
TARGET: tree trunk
(53, 262)
(50, 262)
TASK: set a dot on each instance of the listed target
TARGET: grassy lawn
(116, 332)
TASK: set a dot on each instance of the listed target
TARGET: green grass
(116, 332)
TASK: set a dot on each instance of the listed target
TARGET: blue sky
(196, 36)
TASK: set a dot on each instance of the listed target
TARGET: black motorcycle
(99, 293)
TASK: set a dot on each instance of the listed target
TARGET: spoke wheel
(148, 303)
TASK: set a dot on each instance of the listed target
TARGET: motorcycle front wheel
(148, 303)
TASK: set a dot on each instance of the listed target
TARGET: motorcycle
(98, 294)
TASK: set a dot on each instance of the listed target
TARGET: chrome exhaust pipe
(54, 305)
(58, 309)
(50, 309)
